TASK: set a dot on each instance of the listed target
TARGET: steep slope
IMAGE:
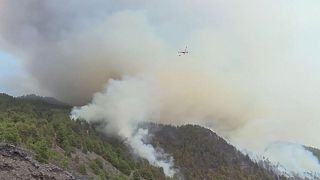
(18, 163)
(199, 153)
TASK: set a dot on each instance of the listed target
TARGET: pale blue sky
(9, 65)
(12, 75)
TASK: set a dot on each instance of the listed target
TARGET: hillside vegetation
(47, 130)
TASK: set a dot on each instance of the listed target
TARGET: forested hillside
(47, 130)
(202, 154)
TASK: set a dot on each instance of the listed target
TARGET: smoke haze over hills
(252, 74)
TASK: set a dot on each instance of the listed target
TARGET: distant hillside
(49, 100)
(315, 151)
(201, 154)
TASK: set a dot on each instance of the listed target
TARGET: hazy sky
(233, 33)
(14, 80)
(9, 69)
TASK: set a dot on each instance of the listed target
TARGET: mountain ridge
(46, 99)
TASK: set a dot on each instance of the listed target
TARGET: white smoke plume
(121, 107)
(156, 158)
(302, 164)
(252, 73)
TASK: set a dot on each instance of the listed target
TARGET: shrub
(82, 169)
(42, 151)
(95, 167)
(99, 163)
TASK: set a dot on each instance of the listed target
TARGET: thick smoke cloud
(252, 74)
(120, 108)
(44, 32)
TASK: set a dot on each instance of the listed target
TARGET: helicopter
(183, 52)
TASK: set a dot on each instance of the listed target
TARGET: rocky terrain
(18, 163)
